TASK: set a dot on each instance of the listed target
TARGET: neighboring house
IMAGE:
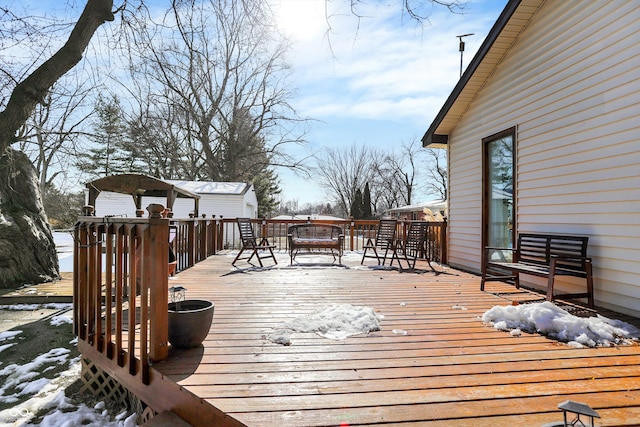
(116, 196)
(434, 210)
(543, 135)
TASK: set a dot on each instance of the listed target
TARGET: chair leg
(237, 257)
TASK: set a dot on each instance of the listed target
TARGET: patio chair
(411, 247)
(250, 243)
(384, 240)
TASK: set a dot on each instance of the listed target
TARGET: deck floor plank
(433, 363)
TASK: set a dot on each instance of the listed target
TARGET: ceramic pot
(189, 322)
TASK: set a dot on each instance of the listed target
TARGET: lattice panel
(100, 384)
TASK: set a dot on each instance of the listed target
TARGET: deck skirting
(103, 386)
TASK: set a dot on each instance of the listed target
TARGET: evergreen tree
(267, 189)
(366, 203)
(356, 205)
(112, 151)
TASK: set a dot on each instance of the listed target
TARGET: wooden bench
(542, 255)
(316, 238)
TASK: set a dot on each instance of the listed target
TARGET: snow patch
(336, 322)
(550, 320)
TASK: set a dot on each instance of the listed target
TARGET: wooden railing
(196, 238)
(121, 275)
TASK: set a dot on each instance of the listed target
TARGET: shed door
(499, 188)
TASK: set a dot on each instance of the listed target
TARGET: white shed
(226, 199)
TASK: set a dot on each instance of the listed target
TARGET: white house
(547, 117)
(426, 211)
(121, 195)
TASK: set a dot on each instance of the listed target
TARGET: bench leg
(589, 284)
(550, 295)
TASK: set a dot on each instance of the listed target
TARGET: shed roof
(200, 187)
(512, 21)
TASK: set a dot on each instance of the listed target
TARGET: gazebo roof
(138, 186)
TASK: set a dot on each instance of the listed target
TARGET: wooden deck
(448, 370)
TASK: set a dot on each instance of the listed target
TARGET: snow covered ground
(34, 374)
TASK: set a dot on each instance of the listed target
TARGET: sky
(378, 81)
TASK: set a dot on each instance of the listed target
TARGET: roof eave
(430, 138)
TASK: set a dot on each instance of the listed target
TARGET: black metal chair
(384, 241)
(250, 243)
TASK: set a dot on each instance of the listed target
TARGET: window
(499, 189)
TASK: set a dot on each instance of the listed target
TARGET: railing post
(263, 229)
(158, 284)
(191, 245)
(351, 234)
(214, 234)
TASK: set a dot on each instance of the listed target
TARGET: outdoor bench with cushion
(316, 238)
(542, 255)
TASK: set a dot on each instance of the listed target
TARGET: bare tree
(399, 175)
(50, 136)
(437, 173)
(345, 171)
(219, 73)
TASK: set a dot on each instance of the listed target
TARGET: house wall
(571, 85)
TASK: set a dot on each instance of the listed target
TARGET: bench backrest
(539, 248)
(315, 231)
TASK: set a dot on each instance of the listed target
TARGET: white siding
(571, 85)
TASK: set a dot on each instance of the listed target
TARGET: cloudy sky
(379, 80)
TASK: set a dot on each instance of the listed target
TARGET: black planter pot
(189, 322)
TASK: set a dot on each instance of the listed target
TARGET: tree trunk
(27, 251)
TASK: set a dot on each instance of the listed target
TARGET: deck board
(448, 369)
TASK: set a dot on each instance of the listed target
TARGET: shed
(542, 136)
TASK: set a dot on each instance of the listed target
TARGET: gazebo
(139, 186)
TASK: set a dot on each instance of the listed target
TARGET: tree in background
(51, 135)
(107, 154)
(215, 84)
(267, 192)
(344, 171)
(356, 211)
(437, 175)
(366, 203)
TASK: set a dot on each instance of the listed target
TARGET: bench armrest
(571, 258)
